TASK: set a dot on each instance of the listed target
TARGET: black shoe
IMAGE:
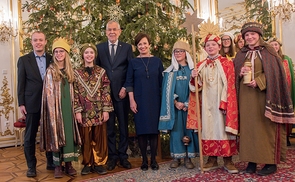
(154, 165)
(267, 169)
(100, 169)
(86, 170)
(144, 166)
(31, 172)
(125, 163)
(288, 141)
(251, 168)
(111, 164)
(50, 167)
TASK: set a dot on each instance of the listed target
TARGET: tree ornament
(83, 8)
(115, 12)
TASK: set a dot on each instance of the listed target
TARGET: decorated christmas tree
(84, 21)
(258, 10)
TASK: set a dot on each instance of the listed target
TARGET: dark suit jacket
(30, 83)
(116, 71)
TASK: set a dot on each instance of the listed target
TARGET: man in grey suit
(114, 56)
(31, 70)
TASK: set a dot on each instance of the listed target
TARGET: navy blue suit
(116, 71)
(29, 90)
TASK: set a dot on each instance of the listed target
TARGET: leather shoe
(50, 167)
(251, 168)
(144, 166)
(125, 163)
(267, 169)
(111, 164)
(31, 172)
(154, 165)
(100, 169)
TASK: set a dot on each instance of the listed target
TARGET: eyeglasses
(114, 29)
(178, 51)
(228, 39)
(60, 51)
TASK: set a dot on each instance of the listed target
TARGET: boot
(69, 169)
(57, 172)
(229, 165)
(188, 163)
(211, 163)
(175, 163)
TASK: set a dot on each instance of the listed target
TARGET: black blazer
(117, 70)
(30, 83)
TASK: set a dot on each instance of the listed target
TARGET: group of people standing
(80, 107)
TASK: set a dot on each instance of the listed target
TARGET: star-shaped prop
(191, 20)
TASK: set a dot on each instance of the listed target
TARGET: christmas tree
(84, 21)
(258, 10)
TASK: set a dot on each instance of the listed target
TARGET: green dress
(69, 152)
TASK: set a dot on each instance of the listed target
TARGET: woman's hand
(105, 116)
(78, 116)
(133, 106)
(194, 73)
(244, 70)
(252, 84)
(179, 105)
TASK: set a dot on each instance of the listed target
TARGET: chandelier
(6, 28)
(283, 8)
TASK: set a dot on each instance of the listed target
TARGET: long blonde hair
(68, 69)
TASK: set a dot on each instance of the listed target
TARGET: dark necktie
(112, 53)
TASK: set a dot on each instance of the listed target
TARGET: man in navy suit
(114, 56)
(31, 70)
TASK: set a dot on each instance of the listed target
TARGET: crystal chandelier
(283, 8)
(6, 28)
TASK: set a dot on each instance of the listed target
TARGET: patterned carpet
(286, 172)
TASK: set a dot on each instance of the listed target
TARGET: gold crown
(207, 28)
(61, 43)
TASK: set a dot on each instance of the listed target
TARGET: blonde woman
(58, 129)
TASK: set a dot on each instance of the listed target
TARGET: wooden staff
(197, 101)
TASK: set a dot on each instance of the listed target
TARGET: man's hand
(122, 93)
(23, 111)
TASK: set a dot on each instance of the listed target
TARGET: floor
(13, 167)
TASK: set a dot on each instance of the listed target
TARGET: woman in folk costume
(288, 66)
(59, 131)
(218, 109)
(175, 96)
(92, 106)
(264, 103)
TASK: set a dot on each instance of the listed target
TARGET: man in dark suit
(114, 56)
(31, 70)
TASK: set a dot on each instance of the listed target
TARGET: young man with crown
(219, 119)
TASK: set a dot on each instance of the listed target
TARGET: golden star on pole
(191, 20)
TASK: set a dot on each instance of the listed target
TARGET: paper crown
(180, 44)
(274, 39)
(252, 27)
(87, 45)
(211, 37)
(61, 43)
(237, 38)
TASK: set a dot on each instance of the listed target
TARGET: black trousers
(121, 109)
(32, 124)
